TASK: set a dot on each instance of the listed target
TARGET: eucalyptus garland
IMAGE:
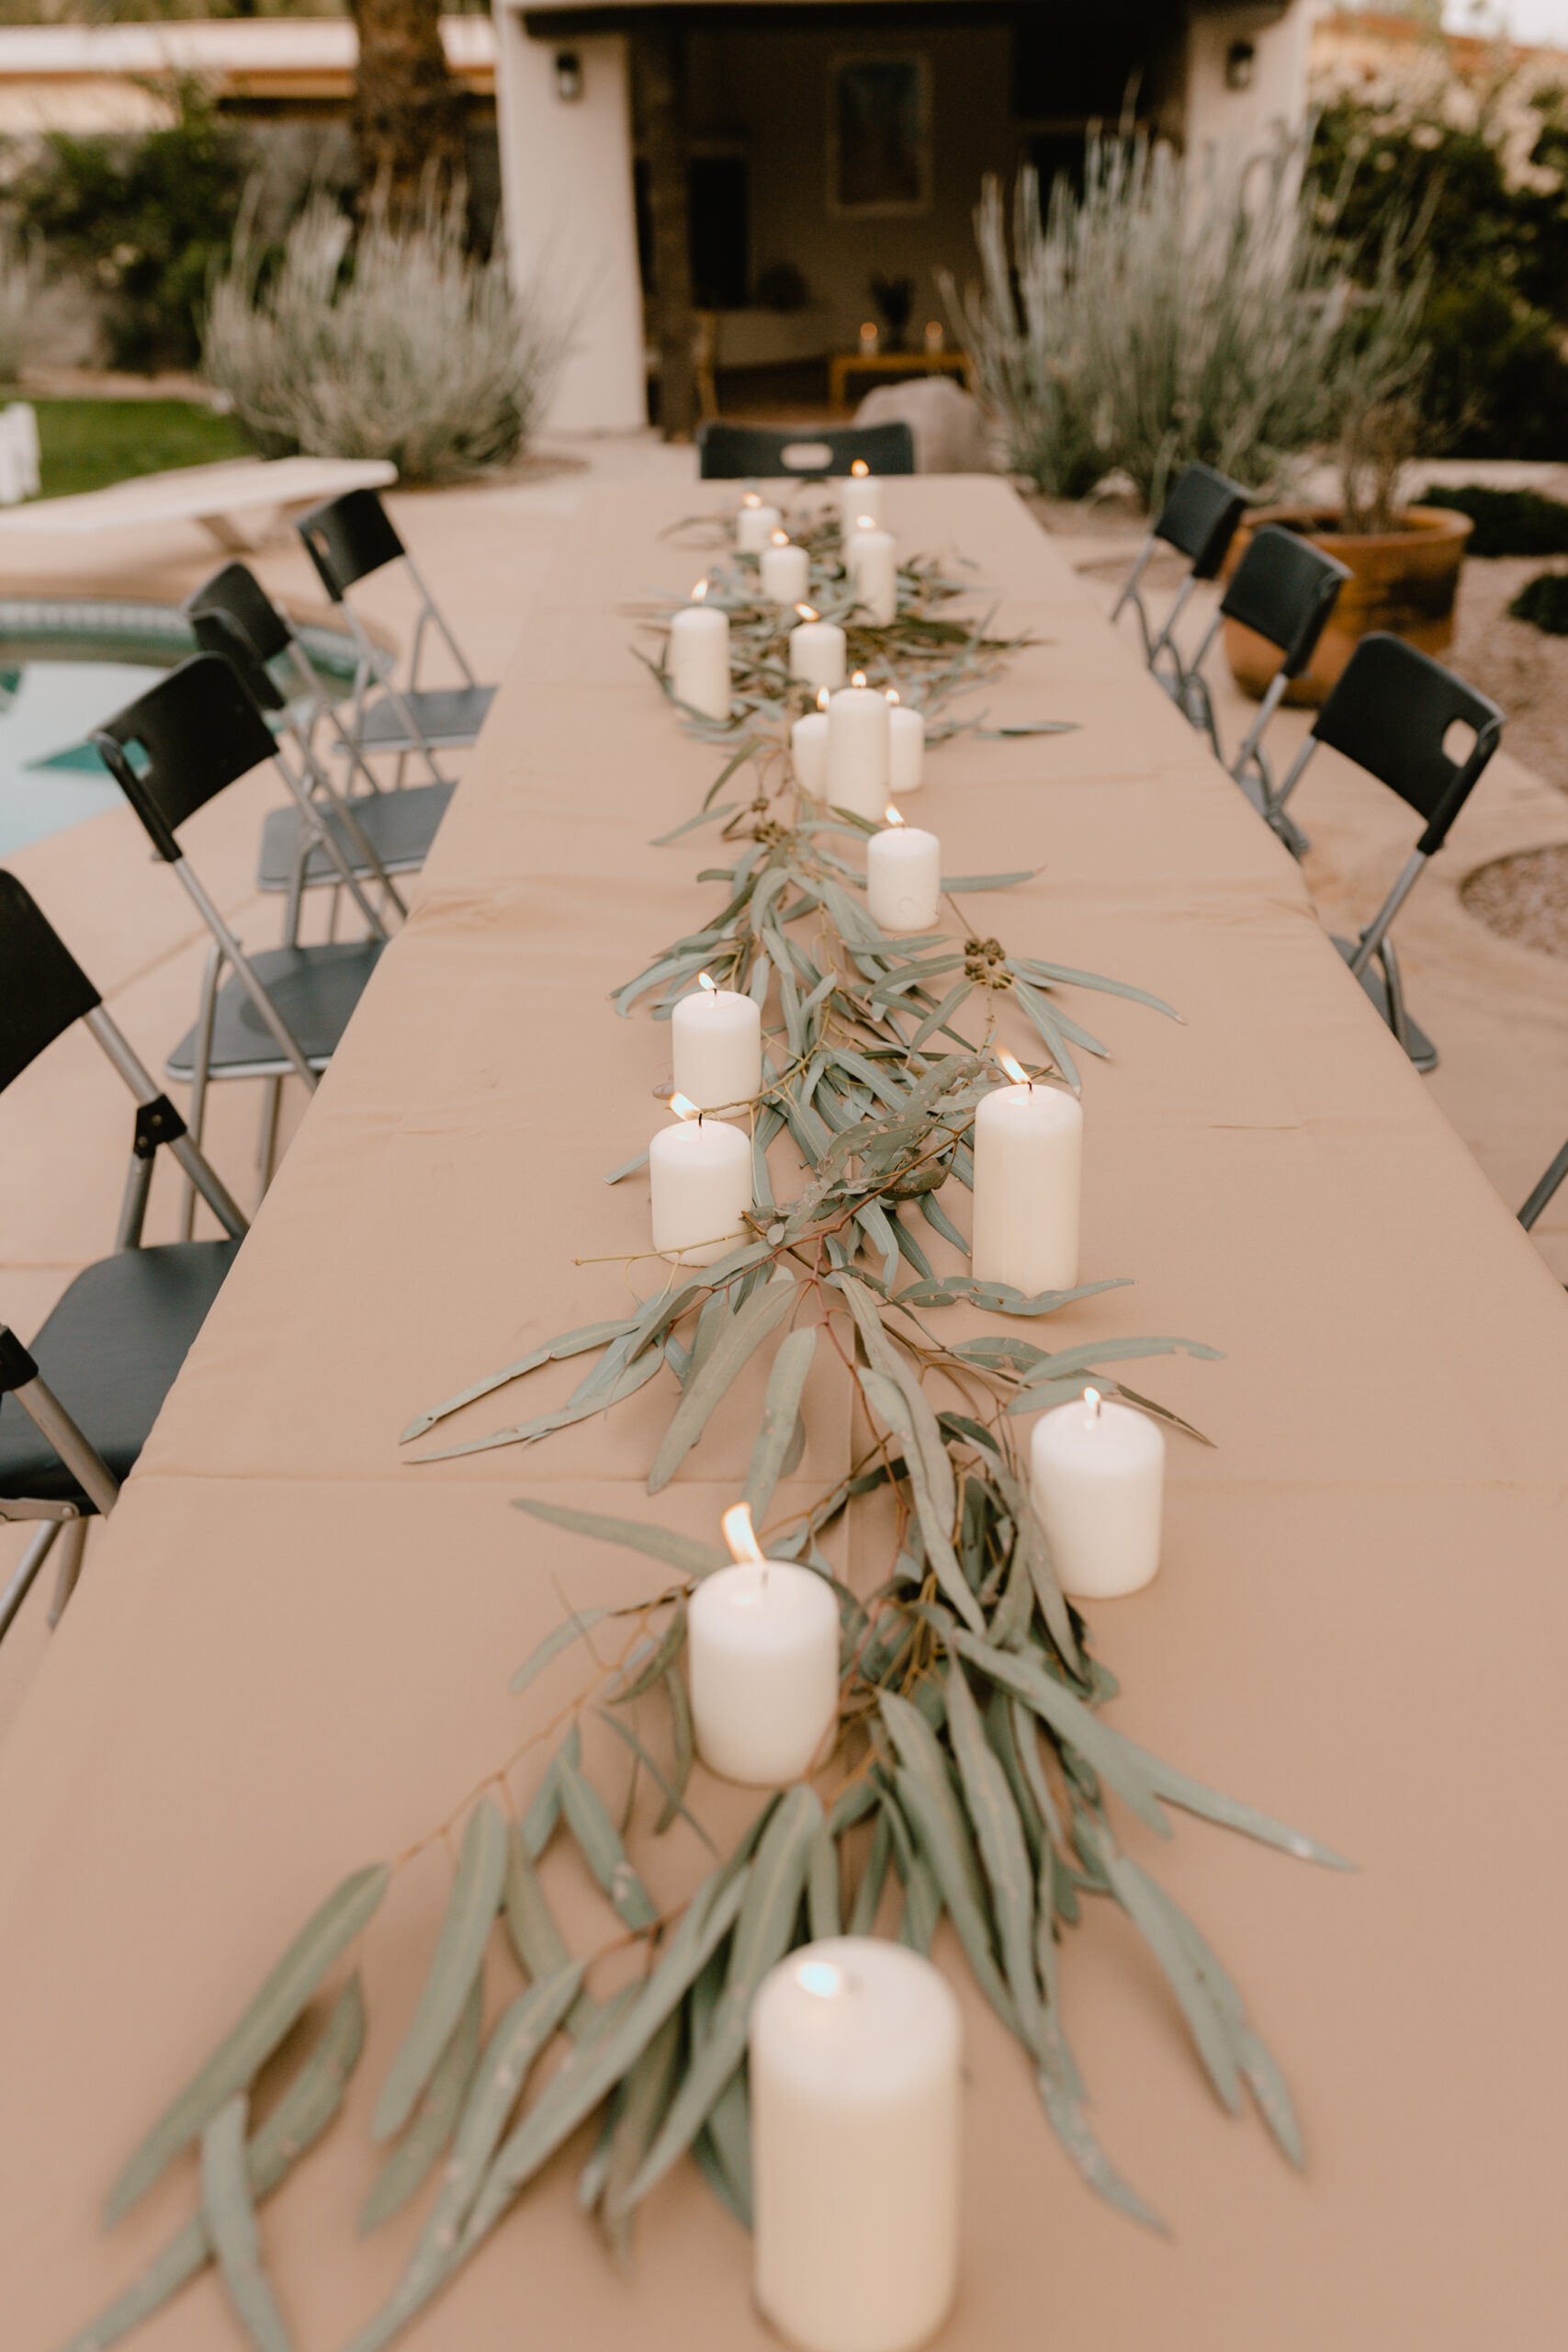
(971, 1777)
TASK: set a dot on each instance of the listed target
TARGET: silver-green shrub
(1171, 312)
(21, 284)
(395, 343)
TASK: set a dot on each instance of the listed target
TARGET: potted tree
(1404, 561)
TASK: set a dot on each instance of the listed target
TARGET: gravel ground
(1525, 671)
(1524, 898)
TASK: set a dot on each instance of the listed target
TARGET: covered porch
(720, 187)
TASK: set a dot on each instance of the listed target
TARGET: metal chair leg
(21, 1584)
(203, 1055)
(267, 1137)
(1544, 1192)
(69, 1568)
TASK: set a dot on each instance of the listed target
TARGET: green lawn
(88, 444)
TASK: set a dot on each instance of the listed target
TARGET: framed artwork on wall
(879, 134)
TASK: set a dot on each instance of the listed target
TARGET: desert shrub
(21, 282)
(1508, 522)
(1171, 312)
(1544, 601)
(398, 345)
(1482, 166)
(144, 219)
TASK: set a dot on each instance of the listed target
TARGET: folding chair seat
(348, 539)
(1199, 520)
(1283, 589)
(76, 1406)
(1390, 714)
(378, 834)
(809, 453)
(282, 1012)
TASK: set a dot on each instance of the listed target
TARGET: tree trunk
(407, 113)
(660, 60)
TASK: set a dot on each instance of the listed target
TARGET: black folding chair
(89, 1388)
(348, 539)
(1390, 714)
(379, 834)
(1284, 590)
(1199, 520)
(764, 452)
(282, 1012)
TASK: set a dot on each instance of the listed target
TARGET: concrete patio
(1499, 1010)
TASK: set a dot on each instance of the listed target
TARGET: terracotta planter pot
(1403, 580)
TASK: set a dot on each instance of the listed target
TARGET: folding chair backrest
(237, 595)
(219, 632)
(348, 539)
(197, 732)
(1390, 712)
(1199, 516)
(740, 452)
(1284, 589)
(43, 989)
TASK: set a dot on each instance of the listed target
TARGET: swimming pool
(65, 668)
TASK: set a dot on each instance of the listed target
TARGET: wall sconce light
(569, 75)
(1241, 62)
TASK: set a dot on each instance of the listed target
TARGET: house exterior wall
(1226, 121)
(566, 168)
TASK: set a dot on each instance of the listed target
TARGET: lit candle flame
(892, 694)
(892, 816)
(858, 678)
(699, 592)
(859, 470)
(823, 697)
(1093, 1399)
(781, 539)
(1014, 1070)
(751, 499)
(821, 1979)
(865, 522)
(805, 612)
(741, 1535)
(707, 981)
(683, 1107)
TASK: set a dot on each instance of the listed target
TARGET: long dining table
(291, 1653)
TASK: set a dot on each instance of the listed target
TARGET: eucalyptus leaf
(410, 2161)
(745, 1332)
(295, 2123)
(231, 2224)
(588, 1818)
(762, 1933)
(624, 1732)
(569, 1343)
(574, 1629)
(457, 1960)
(245, 2049)
(680, 1551)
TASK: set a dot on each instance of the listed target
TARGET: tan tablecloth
(291, 1653)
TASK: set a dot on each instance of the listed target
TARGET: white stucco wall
(570, 223)
(1239, 121)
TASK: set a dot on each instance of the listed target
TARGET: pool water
(64, 669)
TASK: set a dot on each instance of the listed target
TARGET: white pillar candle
(859, 493)
(1096, 1471)
(809, 749)
(717, 1038)
(755, 526)
(870, 561)
(906, 747)
(1028, 1175)
(700, 1177)
(816, 650)
(903, 875)
(763, 1662)
(699, 658)
(858, 736)
(785, 572)
(856, 2049)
